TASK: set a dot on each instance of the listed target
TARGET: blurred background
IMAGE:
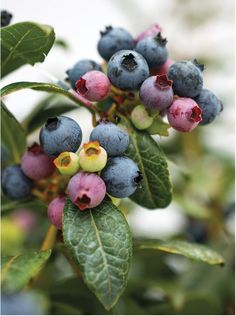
(201, 162)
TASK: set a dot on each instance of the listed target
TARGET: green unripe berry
(92, 157)
(140, 117)
(67, 163)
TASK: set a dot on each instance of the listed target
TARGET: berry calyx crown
(163, 82)
(160, 40)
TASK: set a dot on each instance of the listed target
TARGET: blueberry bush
(66, 243)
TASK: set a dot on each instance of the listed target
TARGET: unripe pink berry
(163, 70)
(94, 85)
(184, 114)
(156, 92)
(150, 31)
(86, 190)
(55, 210)
(36, 164)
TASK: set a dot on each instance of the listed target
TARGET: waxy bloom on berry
(184, 114)
(55, 210)
(36, 164)
(86, 190)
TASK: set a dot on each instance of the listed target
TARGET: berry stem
(89, 105)
(39, 195)
(49, 238)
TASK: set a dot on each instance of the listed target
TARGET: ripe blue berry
(210, 105)
(55, 210)
(86, 190)
(121, 176)
(15, 184)
(5, 18)
(187, 78)
(111, 137)
(80, 68)
(36, 164)
(156, 92)
(60, 134)
(153, 49)
(127, 70)
(112, 40)
(94, 85)
(184, 114)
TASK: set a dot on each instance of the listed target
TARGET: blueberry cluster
(140, 82)
(98, 168)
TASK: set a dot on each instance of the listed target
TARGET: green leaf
(40, 86)
(155, 190)
(24, 43)
(74, 293)
(13, 135)
(18, 270)
(100, 240)
(187, 249)
(159, 127)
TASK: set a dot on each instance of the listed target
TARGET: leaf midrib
(17, 44)
(133, 137)
(102, 251)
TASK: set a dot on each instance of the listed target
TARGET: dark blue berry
(210, 105)
(187, 78)
(196, 231)
(154, 50)
(80, 68)
(5, 18)
(121, 176)
(112, 40)
(15, 184)
(111, 137)
(60, 134)
(127, 70)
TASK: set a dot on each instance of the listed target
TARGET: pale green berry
(92, 157)
(140, 117)
(67, 163)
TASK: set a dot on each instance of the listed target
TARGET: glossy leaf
(24, 43)
(187, 249)
(18, 270)
(13, 135)
(155, 190)
(100, 241)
